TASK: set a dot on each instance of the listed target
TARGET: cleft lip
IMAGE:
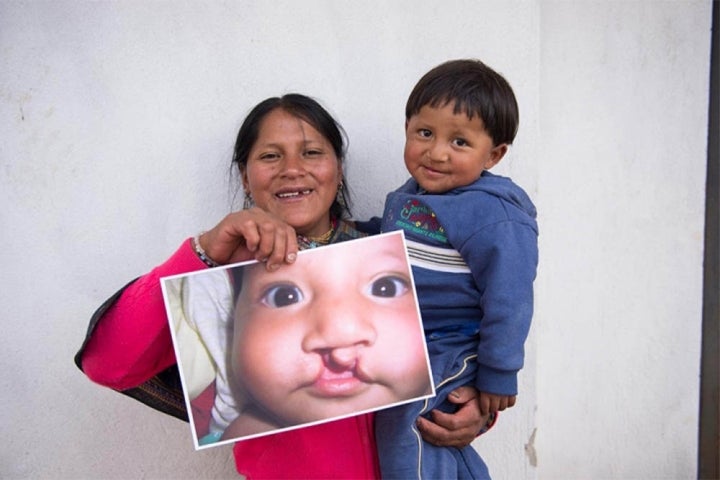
(332, 381)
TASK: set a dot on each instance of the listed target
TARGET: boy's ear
(496, 154)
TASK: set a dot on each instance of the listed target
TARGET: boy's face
(444, 150)
(331, 334)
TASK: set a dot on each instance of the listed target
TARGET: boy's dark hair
(476, 89)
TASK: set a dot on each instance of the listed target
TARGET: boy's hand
(491, 403)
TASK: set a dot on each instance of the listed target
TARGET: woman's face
(332, 334)
(293, 173)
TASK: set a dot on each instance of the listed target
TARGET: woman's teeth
(293, 194)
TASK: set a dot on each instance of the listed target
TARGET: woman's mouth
(293, 194)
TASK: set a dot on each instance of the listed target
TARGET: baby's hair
(476, 89)
(236, 278)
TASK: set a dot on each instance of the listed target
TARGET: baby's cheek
(417, 377)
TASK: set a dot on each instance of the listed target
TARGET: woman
(289, 152)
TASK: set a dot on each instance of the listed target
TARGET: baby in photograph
(335, 333)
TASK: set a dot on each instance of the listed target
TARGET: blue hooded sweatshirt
(474, 257)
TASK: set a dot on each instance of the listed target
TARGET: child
(338, 332)
(472, 240)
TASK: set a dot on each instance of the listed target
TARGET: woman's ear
(496, 154)
(244, 179)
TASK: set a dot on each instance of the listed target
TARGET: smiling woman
(289, 152)
(292, 170)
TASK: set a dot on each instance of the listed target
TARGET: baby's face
(332, 334)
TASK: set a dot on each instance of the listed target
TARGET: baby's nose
(343, 358)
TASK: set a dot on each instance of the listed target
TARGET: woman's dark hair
(309, 110)
(476, 89)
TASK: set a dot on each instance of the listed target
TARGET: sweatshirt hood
(496, 185)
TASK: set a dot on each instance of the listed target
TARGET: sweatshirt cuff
(498, 382)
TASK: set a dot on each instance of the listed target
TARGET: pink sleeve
(131, 343)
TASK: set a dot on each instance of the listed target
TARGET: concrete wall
(117, 123)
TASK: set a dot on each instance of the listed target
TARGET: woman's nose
(293, 164)
(339, 331)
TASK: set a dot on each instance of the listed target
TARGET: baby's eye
(460, 142)
(388, 287)
(279, 296)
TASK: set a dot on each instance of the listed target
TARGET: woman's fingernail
(291, 257)
(273, 267)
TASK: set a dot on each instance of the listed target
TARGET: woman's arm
(460, 428)
(130, 341)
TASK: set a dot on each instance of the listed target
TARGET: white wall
(623, 114)
(117, 123)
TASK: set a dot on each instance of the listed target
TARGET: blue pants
(402, 451)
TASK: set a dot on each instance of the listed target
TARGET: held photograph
(335, 334)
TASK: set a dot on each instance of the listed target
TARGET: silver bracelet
(201, 253)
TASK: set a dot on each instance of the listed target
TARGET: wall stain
(530, 449)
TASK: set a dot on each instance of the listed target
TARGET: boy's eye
(279, 296)
(461, 142)
(425, 133)
(388, 287)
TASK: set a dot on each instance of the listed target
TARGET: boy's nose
(438, 152)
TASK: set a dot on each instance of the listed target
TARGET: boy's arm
(503, 259)
(371, 227)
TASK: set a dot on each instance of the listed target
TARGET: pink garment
(132, 344)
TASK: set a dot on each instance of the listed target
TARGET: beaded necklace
(305, 242)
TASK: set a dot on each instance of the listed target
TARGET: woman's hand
(457, 429)
(251, 234)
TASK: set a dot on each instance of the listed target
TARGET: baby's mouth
(340, 381)
(337, 384)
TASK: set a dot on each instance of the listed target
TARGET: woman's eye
(313, 153)
(388, 287)
(269, 156)
(279, 296)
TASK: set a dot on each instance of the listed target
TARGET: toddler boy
(472, 240)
